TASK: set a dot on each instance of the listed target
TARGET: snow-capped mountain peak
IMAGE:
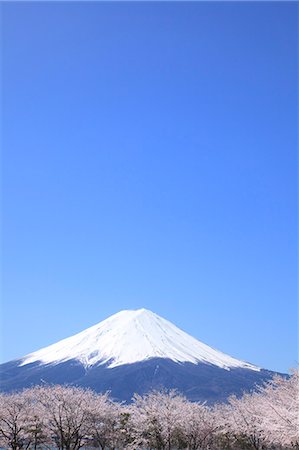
(132, 336)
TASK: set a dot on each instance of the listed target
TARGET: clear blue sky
(150, 161)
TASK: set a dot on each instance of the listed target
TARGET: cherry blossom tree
(36, 422)
(22, 422)
(104, 417)
(157, 418)
(13, 420)
(66, 411)
(199, 425)
(269, 416)
(245, 421)
(278, 403)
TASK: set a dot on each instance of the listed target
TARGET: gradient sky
(149, 160)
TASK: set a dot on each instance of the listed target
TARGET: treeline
(69, 418)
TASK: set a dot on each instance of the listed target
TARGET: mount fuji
(135, 351)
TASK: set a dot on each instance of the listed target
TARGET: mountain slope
(132, 336)
(135, 351)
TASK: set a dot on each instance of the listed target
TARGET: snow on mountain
(132, 336)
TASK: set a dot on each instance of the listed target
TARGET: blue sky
(149, 160)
